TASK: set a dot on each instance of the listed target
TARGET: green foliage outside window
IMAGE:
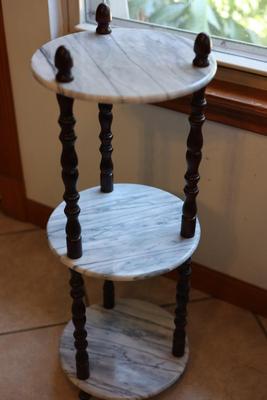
(243, 20)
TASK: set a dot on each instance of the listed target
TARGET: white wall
(149, 147)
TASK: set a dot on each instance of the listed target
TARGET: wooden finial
(64, 64)
(202, 48)
(103, 19)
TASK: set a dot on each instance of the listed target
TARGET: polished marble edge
(97, 81)
(129, 351)
(129, 234)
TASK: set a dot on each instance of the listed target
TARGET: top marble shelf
(127, 66)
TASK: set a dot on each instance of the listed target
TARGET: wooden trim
(13, 201)
(12, 188)
(227, 288)
(230, 104)
(37, 213)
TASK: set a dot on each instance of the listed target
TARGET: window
(242, 20)
(238, 27)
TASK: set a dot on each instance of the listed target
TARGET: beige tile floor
(228, 345)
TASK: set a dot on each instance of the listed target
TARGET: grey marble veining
(129, 351)
(127, 66)
(131, 233)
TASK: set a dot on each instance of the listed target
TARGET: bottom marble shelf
(129, 351)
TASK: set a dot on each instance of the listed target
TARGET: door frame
(12, 186)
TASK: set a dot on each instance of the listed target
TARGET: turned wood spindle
(182, 297)
(64, 64)
(193, 157)
(108, 295)
(79, 321)
(195, 143)
(69, 159)
(69, 162)
(103, 19)
(106, 165)
(106, 179)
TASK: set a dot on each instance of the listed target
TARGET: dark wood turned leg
(69, 162)
(106, 176)
(193, 157)
(182, 297)
(84, 396)
(106, 165)
(79, 321)
(109, 295)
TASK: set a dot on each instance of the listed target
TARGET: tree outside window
(242, 20)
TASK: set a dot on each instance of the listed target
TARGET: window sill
(230, 104)
(242, 105)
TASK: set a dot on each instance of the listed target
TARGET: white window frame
(229, 54)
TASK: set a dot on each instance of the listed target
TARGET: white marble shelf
(129, 351)
(127, 66)
(131, 233)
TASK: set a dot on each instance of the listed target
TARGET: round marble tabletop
(129, 349)
(127, 66)
(131, 233)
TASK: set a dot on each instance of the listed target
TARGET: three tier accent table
(124, 349)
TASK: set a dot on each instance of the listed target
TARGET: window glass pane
(242, 20)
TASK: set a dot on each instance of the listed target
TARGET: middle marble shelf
(129, 234)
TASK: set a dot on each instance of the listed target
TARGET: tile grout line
(33, 329)
(260, 324)
(22, 231)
